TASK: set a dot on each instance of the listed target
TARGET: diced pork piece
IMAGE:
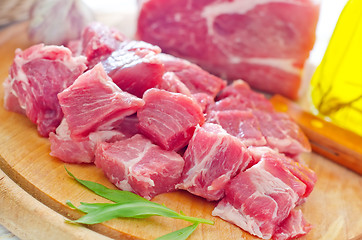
(299, 170)
(231, 103)
(134, 67)
(129, 126)
(276, 166)
(212, 158)
(303, 173)
(98, 42)
(278, 129)
(236, 88)
(204, 100)
(142, 48)
(36, 76)
(256, 153)
(195, 78)
(241, 124)
(75, 46)
(93, 102)
(259, 199)
(170, 82)
(264, 42)
(282, 133)
(294, 226)
(78, 151)
(169, 119)
(138, 165)
(11, 101)
(240, 92)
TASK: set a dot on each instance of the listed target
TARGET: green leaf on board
(100, 212)
(180, 234)
(110, 194)
(129, 205)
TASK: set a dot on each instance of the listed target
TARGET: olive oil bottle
(336, 86)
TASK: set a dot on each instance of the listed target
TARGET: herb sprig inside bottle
(129, 205)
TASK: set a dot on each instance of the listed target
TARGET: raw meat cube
(170, 82)
(257, 153)
(93, 102)
(129, 126)
(282, 133)
(303, 173)
(78, 151)
(299, 170)
(36, 76)
(260, 199)
(134, 67)
(241, 92)
(212, 158)
(138, 165)
(294, 226)
(204, 100)
(11, 101)
(277, 168)
(236, 88)
(231, 103)
(169, 119)
(263, 42)
(277, 129)
(241, 124)
(98, 42)
(195, 78)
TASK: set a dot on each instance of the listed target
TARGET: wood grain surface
(334, 208)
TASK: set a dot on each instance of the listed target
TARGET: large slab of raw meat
(263, 42)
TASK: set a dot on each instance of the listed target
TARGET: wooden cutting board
(34, 187)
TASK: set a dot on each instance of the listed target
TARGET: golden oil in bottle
(336, 86)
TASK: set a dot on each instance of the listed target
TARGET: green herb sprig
(129, 205)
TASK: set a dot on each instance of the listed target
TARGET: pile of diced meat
(155, 123)
(264, 42)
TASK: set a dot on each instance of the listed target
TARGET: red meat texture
(169, 119)
(36, 76)
(155, 123)
(142, 167)
(262, 42)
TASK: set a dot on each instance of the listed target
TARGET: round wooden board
(334, 208)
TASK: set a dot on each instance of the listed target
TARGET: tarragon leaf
(87, 207)
(100, 212)
(129, 205)
(110, 194)
(181, 234)
(119, 196)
